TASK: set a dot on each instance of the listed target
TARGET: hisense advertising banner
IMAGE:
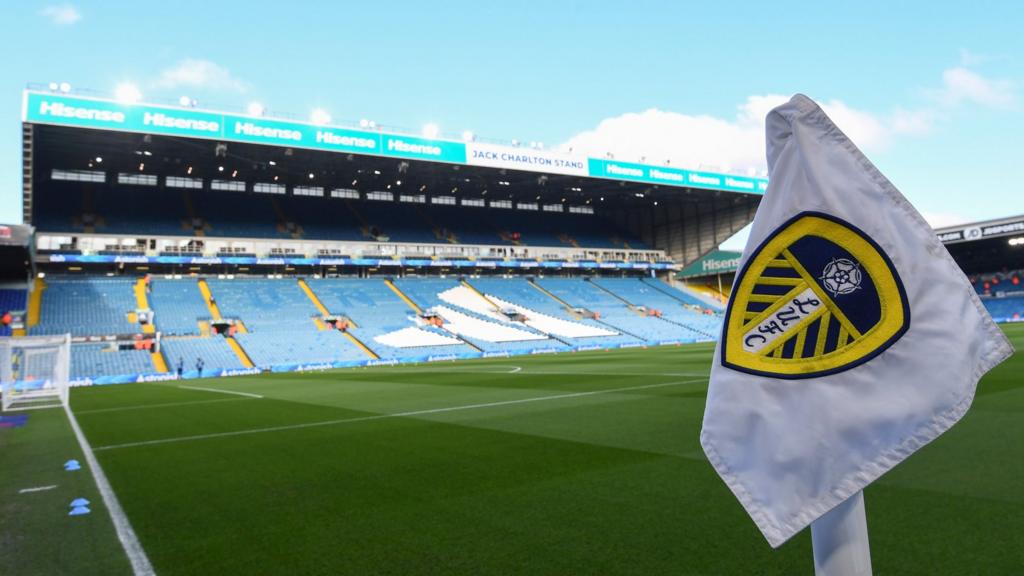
(66, 110)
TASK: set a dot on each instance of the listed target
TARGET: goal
(34, 371)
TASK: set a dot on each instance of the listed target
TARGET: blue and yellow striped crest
(817, 297)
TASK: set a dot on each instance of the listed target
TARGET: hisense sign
(67, 110)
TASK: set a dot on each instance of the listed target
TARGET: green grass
(544, 479)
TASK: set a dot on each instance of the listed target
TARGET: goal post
(34, 371)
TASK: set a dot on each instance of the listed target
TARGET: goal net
(34, 371)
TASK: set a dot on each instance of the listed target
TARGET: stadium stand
(1009, 309)
(89, 360)
(613, 311)
(441, 296)
(11, 299)
(1006, 282)
(213, 351)
(383, 321)
(177, 305)
(280, 325)
(86, 306)
(124, 209)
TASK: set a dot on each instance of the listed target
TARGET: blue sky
(930, 90)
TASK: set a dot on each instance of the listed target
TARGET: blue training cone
(79, 511)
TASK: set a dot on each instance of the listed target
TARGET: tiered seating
(92, 360)
(86, 306)
(268, 349)
(125, 209)
(478, 329)
(278, 317)
(521, 294)
(214, 351)
(281, 332)
(672, 308)
(614, 312)
(178, 305)
(379, 312)
(1007, 282)
(413, 337)
(1006, 309)
(476, 324)
(11, 299)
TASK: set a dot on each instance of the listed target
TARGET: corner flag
(851, 339)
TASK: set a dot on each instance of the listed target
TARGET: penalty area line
(396, 415)
(129, 541)
(218, 390)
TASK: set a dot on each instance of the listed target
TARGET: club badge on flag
(851, 338)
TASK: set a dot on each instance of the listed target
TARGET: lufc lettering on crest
(817, 297)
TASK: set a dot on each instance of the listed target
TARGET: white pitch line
(394, 415)
(164, 405)
(246, 394)
(129, 541)
(37, 489)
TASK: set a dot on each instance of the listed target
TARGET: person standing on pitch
(181, 366)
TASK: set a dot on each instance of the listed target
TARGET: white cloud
(197, 73)
(730, 145)
(737, 144)
(962, 85)
(62, 15)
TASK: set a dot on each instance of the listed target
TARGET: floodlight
(255, 109)
(468, 136)
(127, 93)
(64, 87)
(431, 130)
(319, 116)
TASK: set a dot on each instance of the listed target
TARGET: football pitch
(585, 463)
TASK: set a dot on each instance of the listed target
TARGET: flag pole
(840, 540)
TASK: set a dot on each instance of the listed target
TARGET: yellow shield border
(894, 321)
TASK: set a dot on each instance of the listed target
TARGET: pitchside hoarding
(65, 110)
(717, 262)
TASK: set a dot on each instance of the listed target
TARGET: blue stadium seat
(86, 306)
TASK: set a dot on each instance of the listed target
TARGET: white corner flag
(851, 340)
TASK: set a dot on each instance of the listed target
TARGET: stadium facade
(173, 241)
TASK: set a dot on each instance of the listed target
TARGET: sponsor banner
(717, 262)
(423, 149)
(360, 262)
(979, 232)
(45, 108)
(494, 156)
(67, 110)
(318, 366)
(616, 170)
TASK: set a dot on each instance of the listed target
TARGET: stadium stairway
(391, 284)
(211, 304)
(313, 297)
(323, 310)
(142, 303)
(236, 346)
